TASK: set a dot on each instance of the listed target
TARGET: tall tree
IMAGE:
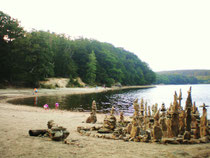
(10, 30)
(91, 69)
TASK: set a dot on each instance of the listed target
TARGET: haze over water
(123, 99)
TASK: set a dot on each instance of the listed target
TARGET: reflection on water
(122, 100)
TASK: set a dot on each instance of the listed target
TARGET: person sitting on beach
(56, 105)
(46, 107)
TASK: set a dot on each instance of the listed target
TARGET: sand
(16, 120)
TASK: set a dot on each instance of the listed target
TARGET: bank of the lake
(121, 98)
(11, 93)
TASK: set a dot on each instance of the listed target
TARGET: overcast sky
(167, 34)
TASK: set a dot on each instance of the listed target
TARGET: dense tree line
(175, 79)
(183, 77)
(28, 57)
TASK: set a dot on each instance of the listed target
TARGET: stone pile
(55, 132)
(92, 118)
(175, 125)
(109, 123)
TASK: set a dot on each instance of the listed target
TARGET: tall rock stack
(181, 115)
(157, 131)
(146, 118)
(204, 131)
(195, 119)
(188, 108)
(173, 119)
(92, 118)
(162, 120)
(136, 108)
(180, 100)
(142, 107)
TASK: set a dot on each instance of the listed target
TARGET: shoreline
(17, 120)
(13, 93)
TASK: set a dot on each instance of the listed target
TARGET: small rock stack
(55, 132)
(109, 123)
(92, 118)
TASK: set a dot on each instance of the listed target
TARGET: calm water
(122, 100)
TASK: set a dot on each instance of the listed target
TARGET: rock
(91, 119)
(169, 141)
(129, 127)
(105, 130)
(135, 128)
(163, 126)
(157, 133)
(142, 132)
(58, 136)
(205, 139)
(187, 135)
(204, 131)
(180, 140)
(194, 141)
(57, 133)
(50, 124)
(146, 137)
(185, 141)
(136, 140)
(118, 131)
(134, 131)
(126, 139)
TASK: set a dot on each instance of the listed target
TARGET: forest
(183, 77)
(29, 57)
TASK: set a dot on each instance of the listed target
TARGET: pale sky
(166, 34)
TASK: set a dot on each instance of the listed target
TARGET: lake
(123, 99)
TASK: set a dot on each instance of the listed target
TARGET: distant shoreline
(12, 93)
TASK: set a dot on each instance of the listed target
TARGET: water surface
(123, 99)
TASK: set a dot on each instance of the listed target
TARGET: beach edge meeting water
(121, 98)
(16, 120)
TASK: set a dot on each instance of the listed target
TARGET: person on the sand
(46, 107)
(35, 90)
(56, 105)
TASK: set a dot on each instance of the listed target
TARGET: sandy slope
(15, 121)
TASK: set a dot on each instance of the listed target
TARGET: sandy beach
(17, 120)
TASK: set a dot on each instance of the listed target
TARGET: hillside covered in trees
(183, 77)
(28, 57)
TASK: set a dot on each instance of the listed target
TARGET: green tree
(10, 30)
(91, 69)
(36, 55)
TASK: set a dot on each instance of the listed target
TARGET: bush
(47, 86)
(73, 83)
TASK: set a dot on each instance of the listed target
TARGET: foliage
(28, 57)
(47, 86)
(10, 31)
(183, 77)
(91, 69)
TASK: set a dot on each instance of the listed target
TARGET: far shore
(10, 93)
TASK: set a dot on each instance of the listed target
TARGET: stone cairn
(109, 123)
(92, 118)
(55, 132)
(175, 125)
